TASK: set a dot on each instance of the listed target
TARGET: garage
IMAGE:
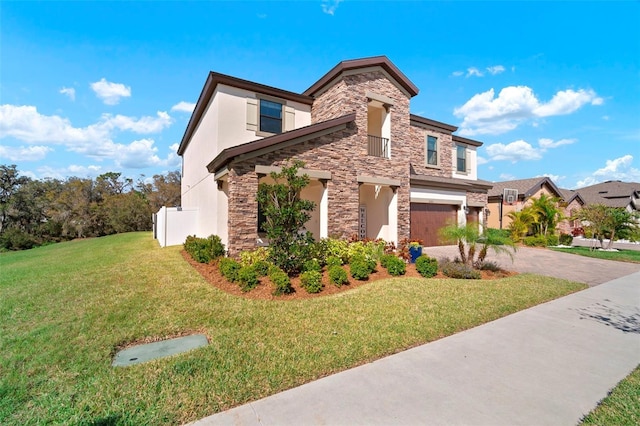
(427, 219)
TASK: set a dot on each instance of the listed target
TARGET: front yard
(632, 256)
(66, 308)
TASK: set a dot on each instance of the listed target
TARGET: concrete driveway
(552, 263)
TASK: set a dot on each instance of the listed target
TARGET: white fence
(172, 225)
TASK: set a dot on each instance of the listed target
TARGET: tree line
(35, 212)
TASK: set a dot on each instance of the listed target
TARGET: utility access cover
(155, 350)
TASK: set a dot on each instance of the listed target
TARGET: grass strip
(632, 256)
(66, 308)
(621, 407)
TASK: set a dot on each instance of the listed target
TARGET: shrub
(370, 250)
(261, 267)
(280, 280)
(312, 265)
(16, 239)
(360, 268)
(336, 248)
(497, 234)
(459, 270)
(311, 281)
(337, 275)
(386, 259)
(489, 266)
(426, 266)
(247, 278)
(535, 241)
(250, 257)
(204, 250)
(396, 266)
(229, 269)
(552, 240)
(576, 232)
(334, 261)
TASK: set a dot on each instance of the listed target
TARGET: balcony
(378, 147)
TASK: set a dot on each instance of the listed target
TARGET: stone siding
(418, 152)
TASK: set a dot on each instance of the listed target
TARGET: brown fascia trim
(436, 125)
(213, 79)
(228, 154)
(541, 182)
(352, 64)
(478, 186)
(466, 141)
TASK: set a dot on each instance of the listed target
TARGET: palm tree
(521, 222)
(548, 212)
(468, 237)
(497, 243)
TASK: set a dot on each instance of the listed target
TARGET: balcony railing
(378, 147)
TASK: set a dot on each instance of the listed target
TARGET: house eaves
(275, 142)
(526, 187)
(417, 120)
(213, 79)
(450, 183)
(355, 64)
(466, 141)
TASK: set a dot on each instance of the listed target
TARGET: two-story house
(377, 171)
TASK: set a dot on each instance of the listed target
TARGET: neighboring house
(613, 193)
(376, 170)
(514, 195)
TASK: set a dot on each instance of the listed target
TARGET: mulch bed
(211, 273)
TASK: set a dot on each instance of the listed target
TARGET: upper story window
(461, 159)
(432, 151)
(270, 116)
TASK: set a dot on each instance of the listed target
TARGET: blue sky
(551, 88)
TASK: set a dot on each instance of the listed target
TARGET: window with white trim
(461, 159)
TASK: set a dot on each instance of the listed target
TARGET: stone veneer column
(243, 210)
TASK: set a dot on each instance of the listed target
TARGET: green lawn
(621, 407)
(632, 256)
(65, 308)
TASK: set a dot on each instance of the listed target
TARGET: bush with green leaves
(311, 281)
(566, 239)
(360, 268)
(426, 266)
(250, 257)
(386, 259)
(337, 275)
(285, 214)
(280, 280)
(312, 265)
(552, 240)
(334, 261)
(16, 239)
(459, 270)
(497, 234)
(204, 250)
(229, 269)
(261, 267)
(396, 266)
(247, 278)
(334, 247)
(535, 241)
(370, 250)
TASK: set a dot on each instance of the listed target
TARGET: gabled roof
(569, 195)
(213, 79)
(525, 187)
(427, 122)
(354, 64)
(274, 142)
(610, 193)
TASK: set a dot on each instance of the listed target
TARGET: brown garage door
(426, 219)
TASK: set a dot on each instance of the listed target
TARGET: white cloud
(521, 150)
(514, 151)
(329, 6)
(549, 143)
(485, 113)
(507, 176)
(471, 71)
(554, 178)
(617, 169)
(72, 170)
(27, 124)
(458, 73)
(481, 160)
(183, 106)
(70, 92)
(28, 153)
(496, 69)
(110, 93)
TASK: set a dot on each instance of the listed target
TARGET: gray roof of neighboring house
(525, 187)
(610, 193)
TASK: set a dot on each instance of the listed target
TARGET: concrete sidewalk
(548, 365)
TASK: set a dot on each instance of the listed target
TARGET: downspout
(500, 209)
